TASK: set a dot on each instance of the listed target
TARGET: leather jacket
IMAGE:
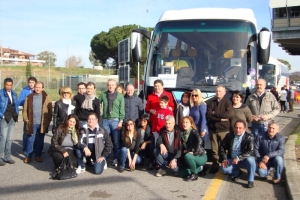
(247, 146)
(194, 144)
(60, 113)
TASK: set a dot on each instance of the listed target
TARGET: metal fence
(52, 84)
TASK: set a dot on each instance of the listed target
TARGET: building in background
(12, 57)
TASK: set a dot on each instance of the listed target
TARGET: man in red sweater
(160, 115)
(153, 99)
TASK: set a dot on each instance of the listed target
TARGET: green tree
(73, 62)
(93, 60)
(286, 63)
(105, 45)
(48, 56)
(28, 69)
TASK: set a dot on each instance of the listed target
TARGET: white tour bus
(202, 48)
(275, 73)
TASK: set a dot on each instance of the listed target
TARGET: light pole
(139, 27)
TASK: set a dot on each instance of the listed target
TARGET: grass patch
(297, 132)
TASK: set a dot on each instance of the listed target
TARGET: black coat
(61, 113)
(194, 144)
(247, 146)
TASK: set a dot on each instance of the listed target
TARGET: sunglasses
(194, 95)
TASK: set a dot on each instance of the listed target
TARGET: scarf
(72, 131)
(111, 97)
(88, 102)
(70, 106)
(185, 136)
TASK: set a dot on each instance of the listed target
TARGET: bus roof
(274, 61)
(209, 13)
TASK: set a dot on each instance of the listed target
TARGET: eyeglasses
(91, 119)
(130, 124)
(194, 95)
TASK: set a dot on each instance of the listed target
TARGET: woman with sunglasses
(198, 113)
(63, 107)
(130, 140)
(147, 140)
(184, 107)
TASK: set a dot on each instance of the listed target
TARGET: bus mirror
(263, 46)
(228, 54)
(136, 46)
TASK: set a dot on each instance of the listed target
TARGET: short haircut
(241, 121)
(129, 84)
(273, 122)
(31, 78)
(91, 83)
(239, 93)
(170, 117)
(39, 82)
(8, 80)
(261, 79)
(164, 99)
(65, 89)
(81, 83)
(221, 86)
(112, 80)
(159, 81)
(93, 113)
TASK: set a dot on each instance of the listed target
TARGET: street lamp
(139, 27)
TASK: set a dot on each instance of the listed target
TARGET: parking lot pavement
(32, 181)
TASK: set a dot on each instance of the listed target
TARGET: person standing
(134, 108)
(218, 111)
(64, 107)
(291, 99)
(153, 100)
(184, 107)
(87, 103)
(37, 114)
(239, 146)
(269, 151)
(24, 93)
(263, 106)
(113, 114)
(198, 113)
(9, 111)
(282, 98)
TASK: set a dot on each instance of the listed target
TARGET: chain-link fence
(52, 83)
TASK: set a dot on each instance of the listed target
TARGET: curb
(292, 172)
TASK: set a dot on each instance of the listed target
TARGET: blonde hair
(200, 98)
(121, 87)
(65, 89)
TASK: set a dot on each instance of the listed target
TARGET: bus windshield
(194, 53)
(267, 72)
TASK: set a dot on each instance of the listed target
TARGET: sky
(66, 27)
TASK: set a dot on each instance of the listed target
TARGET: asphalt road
(32, 181)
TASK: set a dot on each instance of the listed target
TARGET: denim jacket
(272, 147)
(4, 101)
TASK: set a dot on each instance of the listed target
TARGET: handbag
(65, 170)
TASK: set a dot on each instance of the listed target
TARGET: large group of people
(172, 137)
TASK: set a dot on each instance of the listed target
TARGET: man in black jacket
(217, 115)
(240, 148)
(168, 146)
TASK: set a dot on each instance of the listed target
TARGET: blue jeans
(82, 123)
(276, 162)
(110, 125)
(79, 155)
(258, 129)
(233, 170)
(99, 166)
(30, 140)
(205, 138)
(6, 132)
(123, 157)
(162, 160)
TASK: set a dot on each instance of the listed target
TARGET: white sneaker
(115, 163)
(80, 170)
(105, 166)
